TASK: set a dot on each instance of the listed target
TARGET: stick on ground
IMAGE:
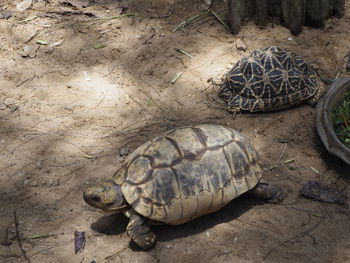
(295, 237)
(18, 237)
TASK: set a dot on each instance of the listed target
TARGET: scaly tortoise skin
(187, 173)
(270, 79)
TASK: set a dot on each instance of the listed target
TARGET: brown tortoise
(182, 175)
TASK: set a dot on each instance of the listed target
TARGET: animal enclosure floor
(77, 94)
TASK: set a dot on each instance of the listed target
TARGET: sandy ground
(67, 113)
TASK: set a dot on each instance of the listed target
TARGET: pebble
(124, 151)
(29, 51)
(240, 45)
(207, 234)
(227, 251)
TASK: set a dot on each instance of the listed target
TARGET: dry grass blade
(178, 75)
(283, 151)
(184, 52)
(185, 23)
(220, 20)
(28, 19)
(41, 236)
(316, 171)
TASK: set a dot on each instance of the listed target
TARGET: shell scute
(189, 185)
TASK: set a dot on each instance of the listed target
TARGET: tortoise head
(106, 196)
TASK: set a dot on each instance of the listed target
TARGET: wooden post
(293, 13)
(261, 11)
(337, 8)
(316, 12)
(236, 9)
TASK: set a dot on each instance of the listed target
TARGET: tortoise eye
(96, 198)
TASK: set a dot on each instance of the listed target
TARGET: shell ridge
(202, 138)
(175, 144)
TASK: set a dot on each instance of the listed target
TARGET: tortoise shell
(268, 79)
(188, 172)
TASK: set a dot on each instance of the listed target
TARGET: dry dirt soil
(72, 109)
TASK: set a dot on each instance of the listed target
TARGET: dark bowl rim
(324, 124)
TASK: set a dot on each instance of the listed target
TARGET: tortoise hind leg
(139, 232)
(269, 192)
(321, 90)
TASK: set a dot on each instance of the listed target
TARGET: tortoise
(184, 174)
(270, 79)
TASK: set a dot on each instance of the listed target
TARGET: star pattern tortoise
(270, 79)
(184, 174)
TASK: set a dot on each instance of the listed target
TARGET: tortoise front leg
(269, 192)
(138, 231)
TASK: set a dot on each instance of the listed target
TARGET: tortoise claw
(140, 233)
(267, 191)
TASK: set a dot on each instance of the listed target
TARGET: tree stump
(293, 14)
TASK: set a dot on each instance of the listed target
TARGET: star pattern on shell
(269, 79)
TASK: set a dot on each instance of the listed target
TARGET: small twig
(27, 79)
(345, 121)
(306, 211)
(177, 76)
(283, 151)
(27, 19)
(111, 257)
(257, 226)
(309, 152)
(308, 220)
(185, 23)
(278, 164)
(296, 237)
(184, 52)
(114, 17)
(135, 101)
(313, 239)
(67, 13)
(31, 37)
(101, 100)
(72, 173)
(27, 141)
(316, 171)
(19, 239)
(40, 236)
(86, 154)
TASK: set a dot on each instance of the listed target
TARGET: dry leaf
(240, 45)
(315, 190)
(4, 14)
(79, 241)
(25, 4)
